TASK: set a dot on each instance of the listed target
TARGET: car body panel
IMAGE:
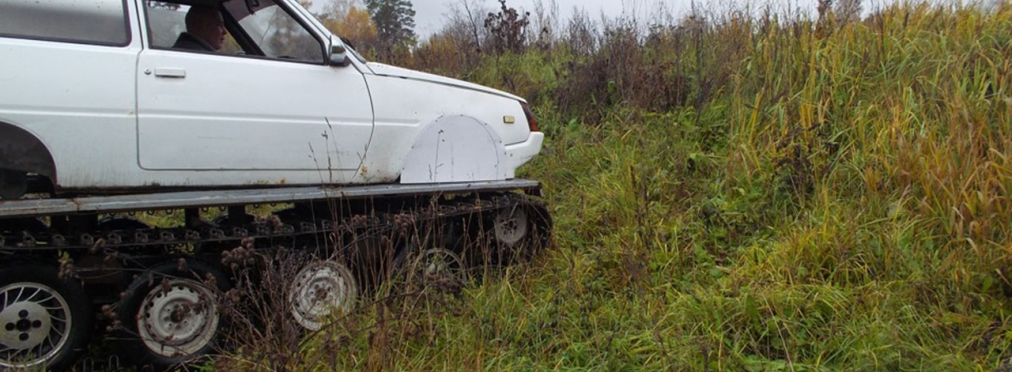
(78, 100)
(405, 107)
(253, 122)
(134, 116)
(400, 72)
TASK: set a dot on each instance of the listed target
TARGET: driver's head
(205, 22)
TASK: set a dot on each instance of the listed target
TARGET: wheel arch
(456, 149)
(20, 150)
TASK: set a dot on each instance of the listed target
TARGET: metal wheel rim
(511, 226)
(318, 290)
(35, 324)
(177, 321)
(437, 264)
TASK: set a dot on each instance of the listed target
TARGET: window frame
(126, 28)
(241, 37)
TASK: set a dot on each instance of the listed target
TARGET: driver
(205, 30)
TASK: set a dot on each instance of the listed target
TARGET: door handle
(167, 72)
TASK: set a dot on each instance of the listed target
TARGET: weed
(742, 192)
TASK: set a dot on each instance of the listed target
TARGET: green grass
(793, 196)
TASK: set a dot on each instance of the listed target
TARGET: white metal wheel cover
(455, 149)
(30, 315)
(319, 289)
(180, 321)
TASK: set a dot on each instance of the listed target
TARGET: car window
(167, 20)
(102, 22)
(267, 30)
(279, 35)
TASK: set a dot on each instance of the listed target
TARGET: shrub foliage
(744, 191)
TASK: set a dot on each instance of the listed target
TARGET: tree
(333, 10)
(581, 35)
(508, 28)
(395, 23)
(546, 23)
(345, 18)
(356, 26)
(464, 24)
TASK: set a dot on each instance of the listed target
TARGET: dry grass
(745, 193)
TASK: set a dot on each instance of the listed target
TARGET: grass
(746, 194)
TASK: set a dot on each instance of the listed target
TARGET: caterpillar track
(74, 268)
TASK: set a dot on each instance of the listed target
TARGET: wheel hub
(26, 325)
(179, 321)
(319, 289)
(438, 266)
(511, 226)
(34, 324)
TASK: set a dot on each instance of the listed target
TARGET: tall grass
(742, 192)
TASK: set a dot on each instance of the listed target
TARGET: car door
(276, 106)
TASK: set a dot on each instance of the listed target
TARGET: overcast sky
(430, 14)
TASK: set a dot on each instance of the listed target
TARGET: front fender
(456, 149)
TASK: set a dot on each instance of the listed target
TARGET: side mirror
(338, 53)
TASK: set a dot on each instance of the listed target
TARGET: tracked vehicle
(104, 123)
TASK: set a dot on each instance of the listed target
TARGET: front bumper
(520, 153)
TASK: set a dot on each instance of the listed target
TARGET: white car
(94, 99)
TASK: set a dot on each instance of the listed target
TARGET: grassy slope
(799, 197)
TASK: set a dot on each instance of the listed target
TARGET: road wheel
(511, 226)
(320, 289)
(520, 232)
(171, 314)
(433, 269)
(44, 320)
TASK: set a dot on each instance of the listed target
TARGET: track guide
(157, 239)
(212, 198)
